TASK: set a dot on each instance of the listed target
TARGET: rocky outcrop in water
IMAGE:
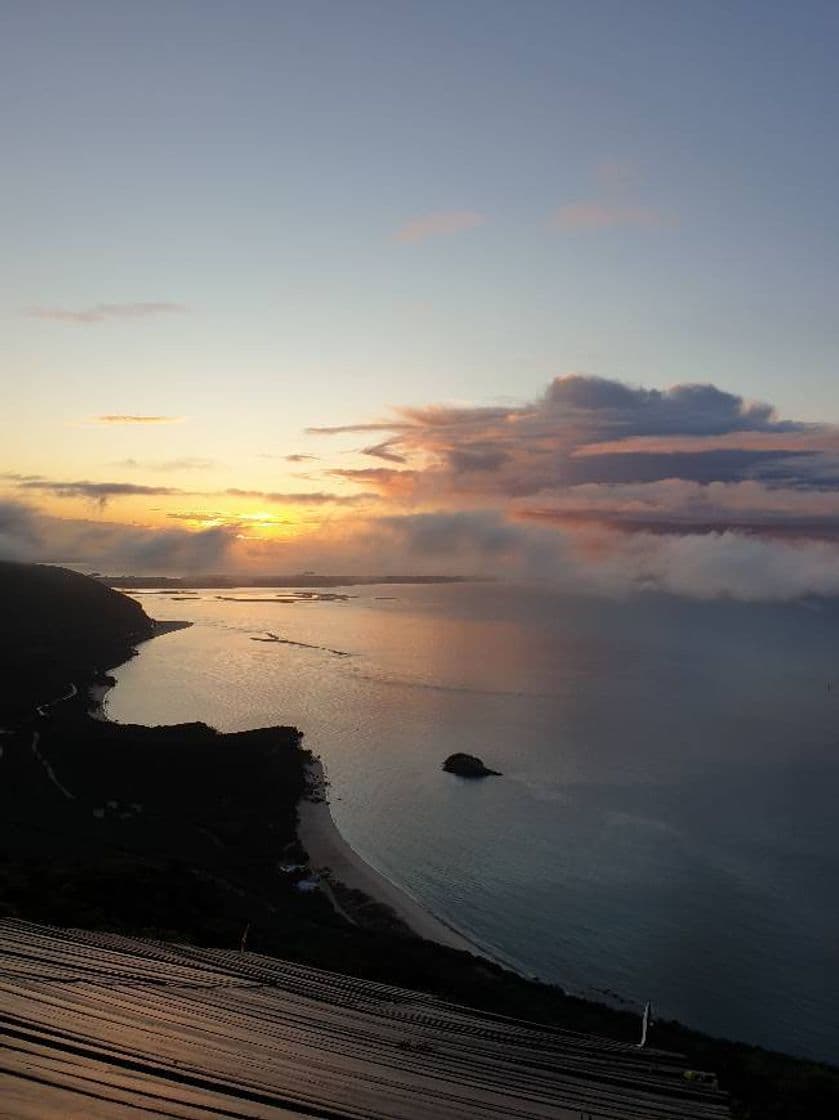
(468, 766)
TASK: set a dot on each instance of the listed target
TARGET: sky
(536, 288)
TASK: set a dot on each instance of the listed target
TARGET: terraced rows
(100, 1025)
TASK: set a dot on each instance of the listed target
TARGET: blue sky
(638, 191)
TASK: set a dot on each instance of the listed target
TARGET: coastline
(331, 855)
(97, 692)
(165, 625)
(328, 851)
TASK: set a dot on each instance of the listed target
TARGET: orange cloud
(390, 483)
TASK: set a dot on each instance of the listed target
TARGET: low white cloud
(715, 565)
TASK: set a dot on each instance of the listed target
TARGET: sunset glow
(486, 354)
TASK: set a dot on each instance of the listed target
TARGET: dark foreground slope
(56, 626)
(179, 833)
(168, 828)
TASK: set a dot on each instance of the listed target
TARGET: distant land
(182, 833)
(297, 579)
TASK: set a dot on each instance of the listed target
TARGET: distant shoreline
(167, 626)
(304, 579)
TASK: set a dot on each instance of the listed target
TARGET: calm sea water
(666, 827)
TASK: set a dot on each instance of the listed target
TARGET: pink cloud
(440, 224)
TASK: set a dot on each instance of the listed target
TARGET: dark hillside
(56, 628)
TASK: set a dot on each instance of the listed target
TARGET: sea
(666, 826)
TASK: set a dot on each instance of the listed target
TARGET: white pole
(645, 1024)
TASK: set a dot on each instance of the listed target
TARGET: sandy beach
(328, 849)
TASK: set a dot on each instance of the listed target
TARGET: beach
(327, 848)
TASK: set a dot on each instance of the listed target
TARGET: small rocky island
(468, 766)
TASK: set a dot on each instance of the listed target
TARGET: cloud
(580, 430)
(590, 558)
(716, 465)
(796, 526)
(594, 485)
(707, 566)
(231, 520)
(687, 409)
(592, 215)
(204, 515)
(384, 451)
(97, 491)
(589, 452)
(101, 312)
(388, 483)
(101, 492)
(27, 535)
(341, 429)
(296, 458)
(463, 459)
(19, 536)
(164, 550)
(122, 418)
(306, 498)
(447, 534)
(187, 463)
(718, 565)
(442, 223)
(450, 416)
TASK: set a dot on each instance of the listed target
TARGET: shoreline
(332, 856)
(97, 693)
(327, 848)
